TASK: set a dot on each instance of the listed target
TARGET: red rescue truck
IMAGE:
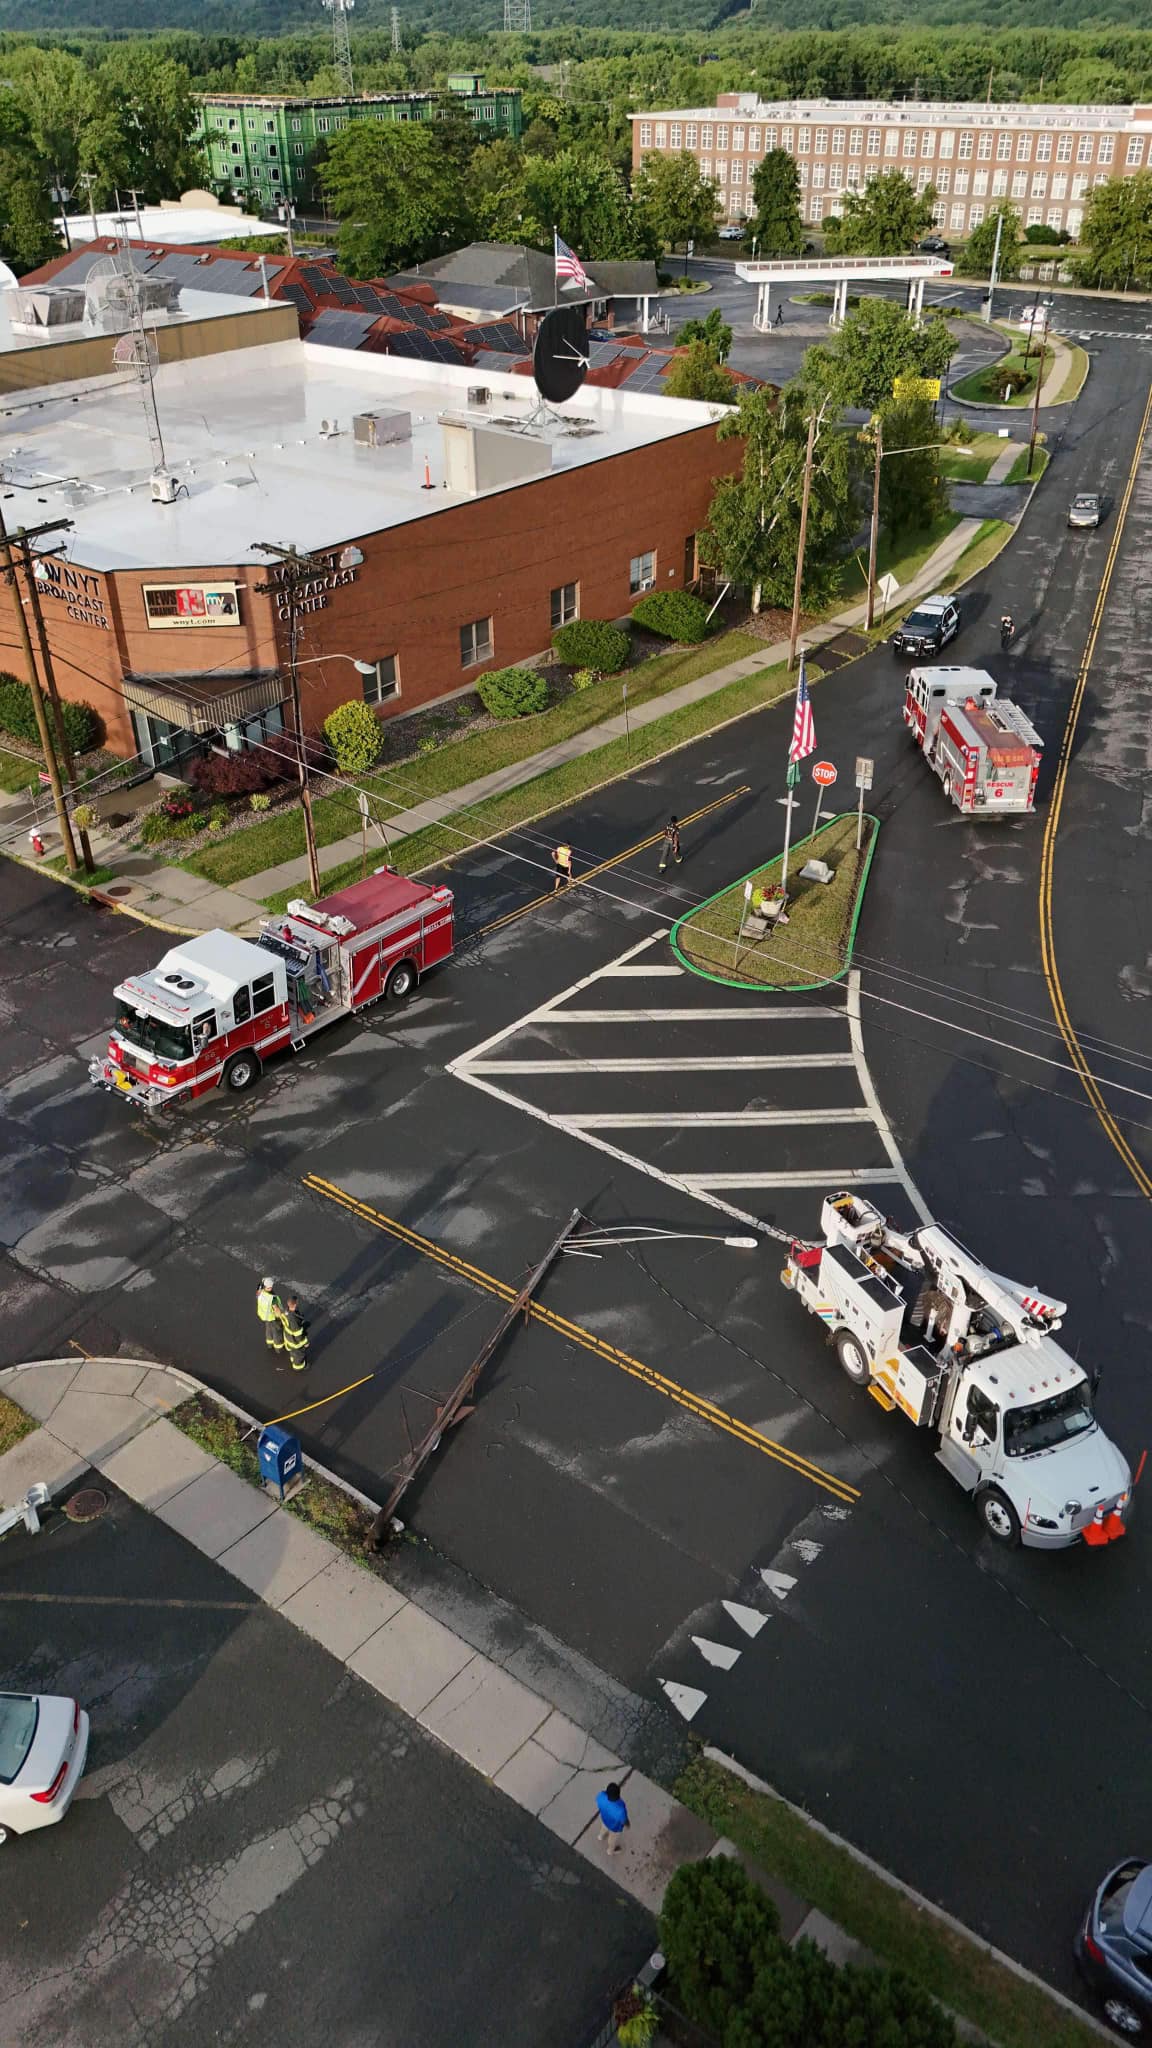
(217, 1006)
(984, 749)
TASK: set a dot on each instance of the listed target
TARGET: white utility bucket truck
(926, 1327)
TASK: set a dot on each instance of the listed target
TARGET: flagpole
(789, 801)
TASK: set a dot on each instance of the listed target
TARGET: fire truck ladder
(458, 1403)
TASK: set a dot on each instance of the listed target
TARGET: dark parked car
(933, 245)
(1114, 1948)
(935, 621)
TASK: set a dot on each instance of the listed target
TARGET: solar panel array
(341, 327)
(501, 337)
(647, 375)
(492, 359)
(424, 348)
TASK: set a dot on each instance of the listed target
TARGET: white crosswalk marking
(719, 1654)
(687, 1699)
(778, 1583)
(710, 1065)
(710, 1119)
(744, 1617)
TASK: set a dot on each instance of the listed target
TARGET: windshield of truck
(163, 1041)
(1047, 1423)
(921, 622)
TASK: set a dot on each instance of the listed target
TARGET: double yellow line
(1076, 1053)
(575, 1333)
(602, 867)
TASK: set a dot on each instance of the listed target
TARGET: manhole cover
(118, 889)
(87, 1505)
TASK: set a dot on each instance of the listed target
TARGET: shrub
(799, 1995)
(228, 774)
(512, 692)
(159, 824)
(177, 804)
(259, 801)
(18, 716)
(593, 643)
(279, 750)
(85, 817)
(960, 432)
(674, 614)
(635, 2018)
(715, 1927)
(217, 817)
(585, 678)
(355, 736)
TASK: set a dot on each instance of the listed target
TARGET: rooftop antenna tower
(397, 40)
(116, 281)
(517, 17)
(341, 48)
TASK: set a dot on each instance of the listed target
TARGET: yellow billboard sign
(917, 387)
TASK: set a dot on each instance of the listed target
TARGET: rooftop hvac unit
(164, 488)
(381, 429)
(479, 394)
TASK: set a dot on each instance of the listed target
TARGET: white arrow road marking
(745, 1617)
(806, 1548)
(778, 1583)
(716, 1653)
(684, 1698)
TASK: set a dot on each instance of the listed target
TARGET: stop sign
(824, 774)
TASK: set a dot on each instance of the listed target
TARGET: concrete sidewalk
(185, 903)
(109, 1414)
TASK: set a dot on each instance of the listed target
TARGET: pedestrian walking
(671, 843)
(613, 1817)
(779, 320)
(295, 1335)
(562, 866)
(270, 1310)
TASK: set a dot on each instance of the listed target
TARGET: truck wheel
(998, 1516)
(242, 1071)
(853, 1358)
(400, 982)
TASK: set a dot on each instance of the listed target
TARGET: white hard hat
(267, 1282)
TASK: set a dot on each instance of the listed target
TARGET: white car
(732, 234)
(43, 1750)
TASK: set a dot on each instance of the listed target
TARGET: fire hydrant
(36, 842)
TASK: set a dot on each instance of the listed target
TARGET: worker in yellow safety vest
(295, 1335)
(270, 1311)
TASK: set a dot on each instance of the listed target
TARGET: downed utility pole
(458, 1404)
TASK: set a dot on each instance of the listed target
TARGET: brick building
(265, 148)
(1043, 160)
(452, 528)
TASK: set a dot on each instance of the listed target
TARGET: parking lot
(262, 1849)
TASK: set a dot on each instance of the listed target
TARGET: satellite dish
(560, 356)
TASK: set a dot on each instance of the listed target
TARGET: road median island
(815, 945)
(972, 1979)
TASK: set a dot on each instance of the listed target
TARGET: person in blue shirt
(613, 1816)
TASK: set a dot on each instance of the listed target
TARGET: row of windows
(957, 217)
(476, 639)
(909, 143)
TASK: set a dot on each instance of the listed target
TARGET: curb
(794, 987)
(915, 1898)
(994, 405)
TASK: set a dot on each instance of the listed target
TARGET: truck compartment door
(364, 974)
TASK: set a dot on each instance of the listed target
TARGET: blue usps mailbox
(278, 1455)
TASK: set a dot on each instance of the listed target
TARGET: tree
(141, 114)
(399, 197)
(584, 197)
(27, 234)
(800, 1995)
(913, 494)
(678, 204)
(497, 197)
(778, 228)
(976, 259)
(877, 343)
(697, 374)
(753, 528)
(714, 1925)
(51, 88)
(714, 332)
(1116, 237)
(886, 219)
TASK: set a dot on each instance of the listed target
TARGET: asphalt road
(910, 1673)
(262, 1850)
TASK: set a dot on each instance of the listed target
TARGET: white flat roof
(194, 305)
(926, 113)
(170, 224)
(243, 433)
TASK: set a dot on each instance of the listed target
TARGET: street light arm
(365, 668)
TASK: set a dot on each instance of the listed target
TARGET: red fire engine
(984, 749)
(217, 1006)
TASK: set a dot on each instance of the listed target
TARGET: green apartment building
(263, 149)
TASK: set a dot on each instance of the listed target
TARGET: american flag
(803, 724)
(569, 269)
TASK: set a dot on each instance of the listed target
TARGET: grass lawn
(813, 945)
(323, 1506)
(281, 837)
(439, 844)
(990, 536)
(14, 1424)
(16, 773)
(955, 1968)
(984, 386)
(1074, 382)
(901, 559)
(970, 465)
(1018, 474)
(80, 879)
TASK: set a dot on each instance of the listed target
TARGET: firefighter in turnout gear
(295, 1335)
(270, 1311)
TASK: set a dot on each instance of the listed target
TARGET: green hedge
(734, 1976)
(355, 736)
(512, 692)
(674, 614)
(593, 643)
(18, 716)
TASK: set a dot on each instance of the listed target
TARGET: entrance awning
(200, 703)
